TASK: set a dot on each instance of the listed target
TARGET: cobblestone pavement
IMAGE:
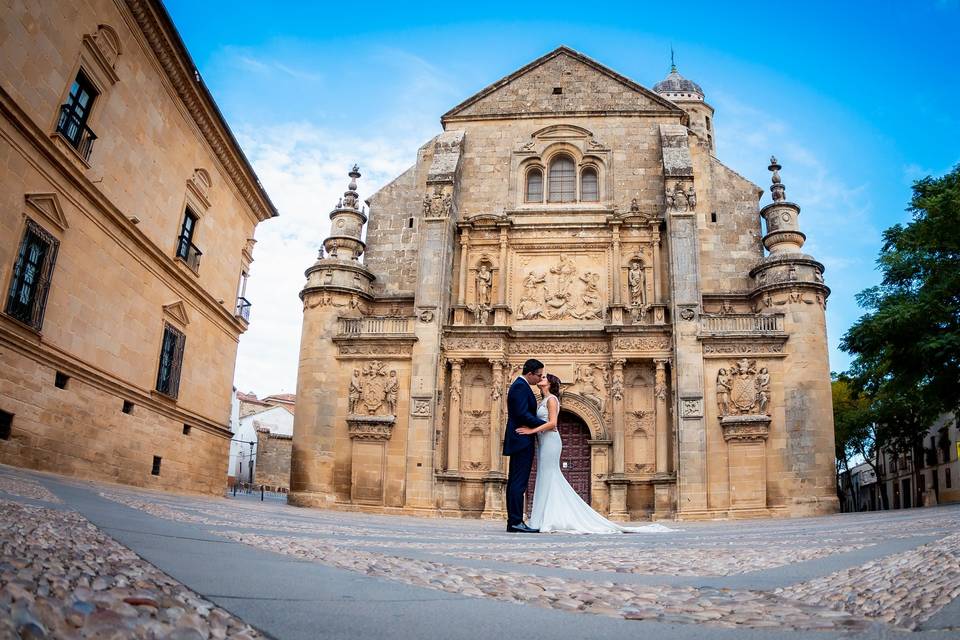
(858, 575)
(60, 577)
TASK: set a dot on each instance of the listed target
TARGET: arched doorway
(574, 458)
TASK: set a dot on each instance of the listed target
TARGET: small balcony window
(243, 309)
(72, 123)
(171, 361)
(32, 272)
(186, 250)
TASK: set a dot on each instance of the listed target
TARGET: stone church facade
(567, 213)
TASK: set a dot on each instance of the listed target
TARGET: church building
(569, 214)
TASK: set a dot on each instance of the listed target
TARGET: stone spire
(782, 217)
(346, 223)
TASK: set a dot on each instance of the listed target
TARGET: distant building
(126, 237)
(929, 477)
(860, 489)
(270, 420)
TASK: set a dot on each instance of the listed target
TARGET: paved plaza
(81, 559)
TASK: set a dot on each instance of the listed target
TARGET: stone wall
(273, 460)
(116, 281)
(392, 234)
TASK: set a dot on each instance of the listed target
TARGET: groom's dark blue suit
(521, 412)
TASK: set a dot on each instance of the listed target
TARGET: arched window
(589, 185)
(563, 180)
(534, 186)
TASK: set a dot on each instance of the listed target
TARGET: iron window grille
(30, 285)
(243, 309)
(72, 122)
(171, 361)
(186, 250)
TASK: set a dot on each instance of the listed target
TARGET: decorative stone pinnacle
(777, 189)
(350, 196)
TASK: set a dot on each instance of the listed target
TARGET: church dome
(676, 86)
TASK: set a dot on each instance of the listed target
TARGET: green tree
(855, 432)
(906, 347)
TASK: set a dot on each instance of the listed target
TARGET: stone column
(453, 417)
(501, 308)
(656, 266)
(660, 416)
(616, 305)
(618, 481)
(495, 480)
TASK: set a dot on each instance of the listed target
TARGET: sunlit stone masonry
(568, 213)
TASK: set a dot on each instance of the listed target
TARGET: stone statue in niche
(742, 389)
(484, 280)
(371, 388)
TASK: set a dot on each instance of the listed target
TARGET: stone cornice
(161, 34)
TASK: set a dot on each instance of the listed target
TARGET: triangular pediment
(563, 82)
(48, 206)
(177, 311)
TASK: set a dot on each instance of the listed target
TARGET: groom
(521, 412)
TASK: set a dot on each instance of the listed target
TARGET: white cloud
(304, 169)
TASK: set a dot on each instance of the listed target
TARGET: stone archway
(575, 459)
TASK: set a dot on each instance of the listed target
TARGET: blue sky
(857, 100)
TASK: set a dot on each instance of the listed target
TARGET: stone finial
(777, 189)
(350, 197)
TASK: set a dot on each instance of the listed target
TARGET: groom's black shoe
(521, 528)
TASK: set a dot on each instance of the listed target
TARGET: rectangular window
(186, 250)
(156, 465)
(72, 123)
(947, 479)
(186, 429)
(27, 299)
(6, 427)
(127, 407)
(61, 380)
(171, 361)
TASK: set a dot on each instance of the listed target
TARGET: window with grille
(562, 180)
(589, 185)
(186, 250)
(171, 361)
(27, 299)
(534, 186)
(72, 123)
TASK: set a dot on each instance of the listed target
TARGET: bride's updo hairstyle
(554, 385)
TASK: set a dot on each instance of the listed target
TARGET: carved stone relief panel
(639, 426)
(592, 381)
(571, 286)
(373, 390)
(743, 388)
(438, 202)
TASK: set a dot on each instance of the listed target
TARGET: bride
(556, 506)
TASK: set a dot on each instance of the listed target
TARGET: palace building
(127, 217)
(570, 214)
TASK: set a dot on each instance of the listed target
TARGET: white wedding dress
(556, 505)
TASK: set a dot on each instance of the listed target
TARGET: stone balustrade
(374, 325)
(741, 323)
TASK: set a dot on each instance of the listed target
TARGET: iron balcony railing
(243, 309)
(77, 133)
(741, 323)
(379, 325)
(189, 253)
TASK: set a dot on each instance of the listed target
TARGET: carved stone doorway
(574, 458)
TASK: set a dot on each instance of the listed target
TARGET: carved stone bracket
(370, 427)
(745, 428)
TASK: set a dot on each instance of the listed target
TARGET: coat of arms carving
(743, 389)
(371, 387)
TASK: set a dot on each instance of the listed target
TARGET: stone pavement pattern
(862, 575)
